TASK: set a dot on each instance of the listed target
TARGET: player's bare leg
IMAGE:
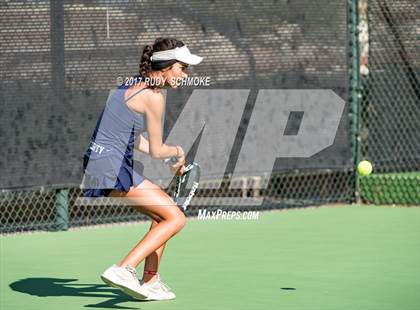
(150, 199)
(152, 261)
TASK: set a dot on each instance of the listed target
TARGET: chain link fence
(57, 208)
(390, 100)
(381, 91)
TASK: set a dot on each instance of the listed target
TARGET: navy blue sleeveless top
(108, 161)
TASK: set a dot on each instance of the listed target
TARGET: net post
(355, 89)
(61, 205)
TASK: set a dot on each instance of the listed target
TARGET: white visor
(179, 53)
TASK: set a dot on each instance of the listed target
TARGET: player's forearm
(165, 151)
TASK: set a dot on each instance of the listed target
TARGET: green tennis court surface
(343, 257)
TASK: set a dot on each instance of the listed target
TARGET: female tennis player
(108, 164)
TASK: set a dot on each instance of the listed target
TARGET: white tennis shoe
(158, 290)
(125, 279)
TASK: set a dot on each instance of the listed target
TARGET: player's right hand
(178, 168)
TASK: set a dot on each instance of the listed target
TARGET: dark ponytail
(160, 44)
(145, 62)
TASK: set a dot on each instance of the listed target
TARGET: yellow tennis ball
(364, 168)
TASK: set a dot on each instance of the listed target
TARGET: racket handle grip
(171, 161)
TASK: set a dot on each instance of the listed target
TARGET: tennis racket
(186, 184)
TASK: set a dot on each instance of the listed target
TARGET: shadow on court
(50, 287)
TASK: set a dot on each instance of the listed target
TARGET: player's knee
(182, 220)
(179, 220)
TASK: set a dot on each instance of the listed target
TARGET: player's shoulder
(153, 97)
(143, 98)
(154, 94)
